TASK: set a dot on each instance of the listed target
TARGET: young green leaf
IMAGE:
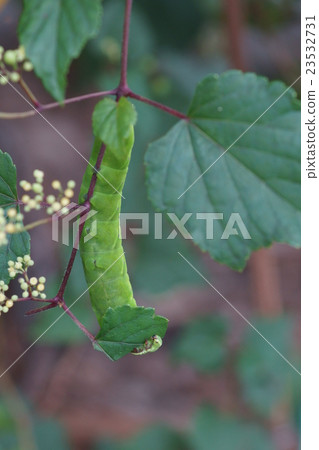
(125, 328)
(19, 243)
(53, 33)
(238, 153)
(113, 121)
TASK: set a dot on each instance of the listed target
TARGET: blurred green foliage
(202, 343)
(266, 379)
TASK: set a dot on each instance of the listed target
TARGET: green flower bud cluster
(21, 265)
(62, 199)
(10, 222)
(54, 203)
(5, 302)
(12, 63)
(32, 288)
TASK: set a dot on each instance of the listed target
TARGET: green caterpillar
(103, 255)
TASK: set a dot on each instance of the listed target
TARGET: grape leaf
(254, 172)
(53, 33)
(125, 328)
(19, 243)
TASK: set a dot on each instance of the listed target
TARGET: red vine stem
(81, 226)
(125, 42)
(77, 322)
(157, 105)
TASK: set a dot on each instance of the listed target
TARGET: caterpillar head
(150, 345)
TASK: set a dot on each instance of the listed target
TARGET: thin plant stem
(158, 105)
(29, 93)
(40, 108)
(76, 321)
(77, 239)
(125, 44)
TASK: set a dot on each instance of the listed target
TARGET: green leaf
(53, 33)
(125, 328)
(202, 343)
(214, 430)
(267, 379)
(258, 176)
(19, 243)
(112, 121)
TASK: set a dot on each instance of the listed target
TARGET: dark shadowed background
(215, 384)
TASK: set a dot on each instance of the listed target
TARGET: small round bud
(12, 274)
(12, 212)
(56, 206)
(42, 280)
(64, 201)
(3, 80)
(49, 211)
(5, 309)
(14, 77)
(25, 294)
(33, 281)
(71, 184)
(24, 286)
(56, 184)
(65, 210)
(43, 296)
(9, 303)
(32, 203)
(10, 263)
(27, 186)
(20, 54)
(38, 173)
(5, 287)
(50, 199)
(31, 262)
(35, 293)
(19, 217)
(2, 297)
(69, 193)
(26, 258)
(14, 298)
(40, 287)
(10, 228)
(27, 66)
(18, 266)
(25, 198)
(10, 57)
(20, 259)
(27, 208)
(37, 188)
